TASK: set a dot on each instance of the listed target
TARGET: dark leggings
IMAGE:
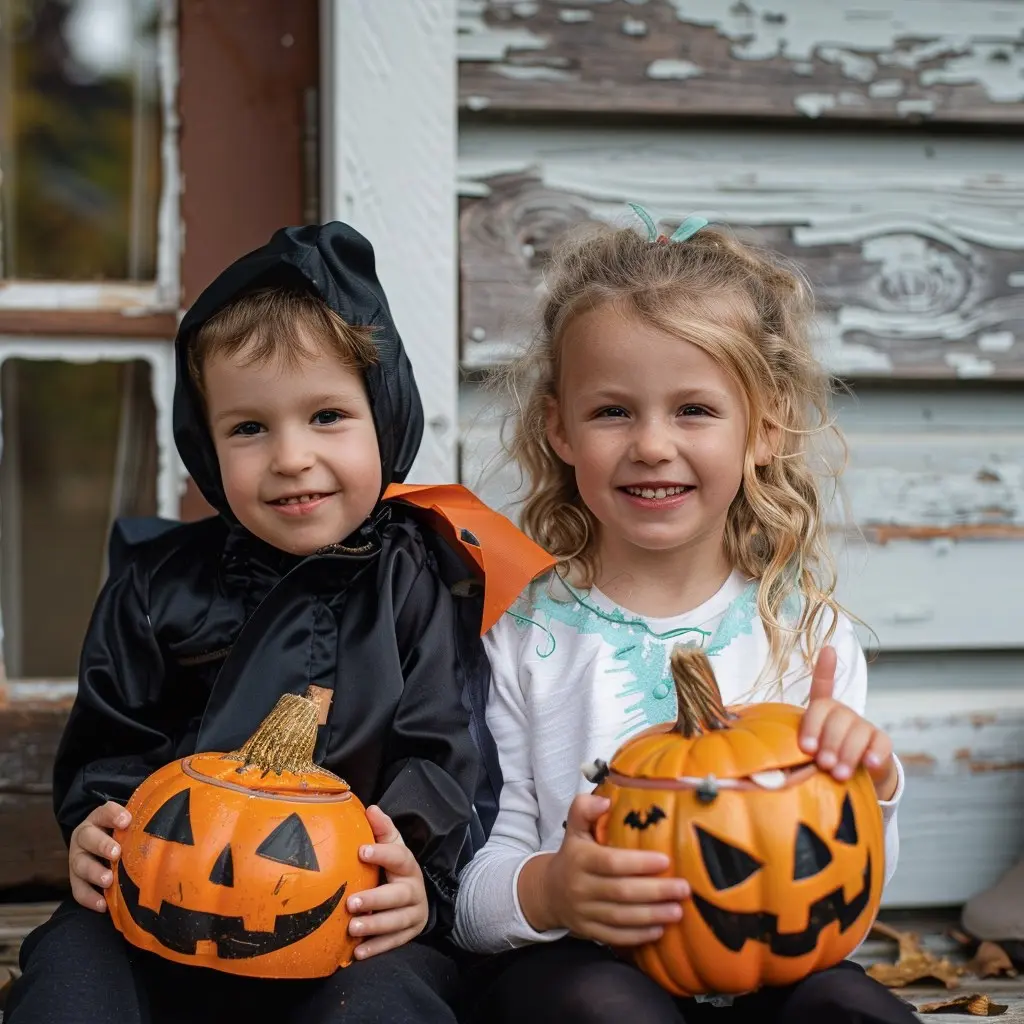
(79, 970)
(576, 982)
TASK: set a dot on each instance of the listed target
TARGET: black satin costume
(201, 628)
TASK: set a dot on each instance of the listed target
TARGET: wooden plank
(959, 821)
(388, 169)
(246, 70)
(82, 323)
(952, 61)
(32, 719)
(914, 245)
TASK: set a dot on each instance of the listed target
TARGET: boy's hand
(839, 738)
(599, 892)
(395, 912)
(90, 849)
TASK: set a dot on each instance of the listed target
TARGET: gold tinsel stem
(286, 738)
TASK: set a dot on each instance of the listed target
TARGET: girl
(664, 417)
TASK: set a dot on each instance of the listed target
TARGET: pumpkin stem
(285, 739)
(698, 698)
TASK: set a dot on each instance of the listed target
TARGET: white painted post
(388, 159)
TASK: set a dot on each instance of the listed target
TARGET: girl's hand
(839, 738)
(598, 892)
(89, 851)
(396, 912)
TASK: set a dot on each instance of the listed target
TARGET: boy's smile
(296, 444)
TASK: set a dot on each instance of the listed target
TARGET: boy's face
(297, 448)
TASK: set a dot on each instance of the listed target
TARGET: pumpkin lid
(231, 770)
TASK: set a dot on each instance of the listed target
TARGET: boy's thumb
(383, 827)
(584, 812)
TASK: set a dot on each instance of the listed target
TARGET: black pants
(578, 982)
(79, 970)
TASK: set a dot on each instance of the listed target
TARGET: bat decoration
(634, 819)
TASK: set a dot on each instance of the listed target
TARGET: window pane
(79, 449)
(79, 139)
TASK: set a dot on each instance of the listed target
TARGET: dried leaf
(992, 961)
(974, 1005)
(913, 963)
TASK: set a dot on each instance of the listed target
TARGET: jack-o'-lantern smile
(180, 929)
(734, 929)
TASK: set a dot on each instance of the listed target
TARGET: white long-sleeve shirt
(574, 675)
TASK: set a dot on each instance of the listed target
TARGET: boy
(295, 407)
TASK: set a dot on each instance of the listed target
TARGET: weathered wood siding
(914, 244)
(897, 60)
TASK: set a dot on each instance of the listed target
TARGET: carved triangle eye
(173, 820)
(846, 831)
(811, 855)
(727, 865)
(223, 872)
(289, 843)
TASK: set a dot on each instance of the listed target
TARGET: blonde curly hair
(751, 313)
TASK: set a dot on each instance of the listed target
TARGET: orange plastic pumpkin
(785, 863)
(243, 861)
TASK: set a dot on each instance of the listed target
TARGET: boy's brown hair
(281, 323)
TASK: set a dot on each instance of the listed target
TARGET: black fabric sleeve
(431, 763)
(113, 738)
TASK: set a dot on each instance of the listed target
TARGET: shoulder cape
(497, 552)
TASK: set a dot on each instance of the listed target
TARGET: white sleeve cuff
(523, 932)
(889, 806)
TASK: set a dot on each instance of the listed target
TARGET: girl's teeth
(305, 499)
(655, 492)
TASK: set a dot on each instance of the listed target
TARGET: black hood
(337, 263)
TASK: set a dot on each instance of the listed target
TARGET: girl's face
(656, 431)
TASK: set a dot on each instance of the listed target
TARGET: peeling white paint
(886, 89)
(966, 35)
(532, 73)
(814, 104)
(573, 17)
(907, 108)
(998, 68)
(525, 8)
(634, 27)
(996, 341)
(477, 103)
(479, 41)
(853, 65)
(847, 358)
(926, 211)
(680, 69)
(969, 366)
(804, 68)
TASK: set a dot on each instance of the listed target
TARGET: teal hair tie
(689, 227)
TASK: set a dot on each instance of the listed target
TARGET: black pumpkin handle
(698, 699)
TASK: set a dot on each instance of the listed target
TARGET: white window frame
(131, 298)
